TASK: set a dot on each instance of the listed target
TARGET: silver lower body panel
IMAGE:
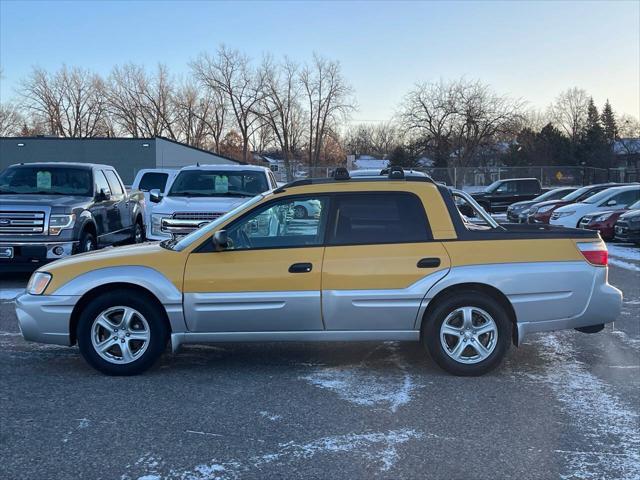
(45, 318)
(178, 339)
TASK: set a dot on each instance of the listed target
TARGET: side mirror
(102, 195)
(611, 203)
(155, 195)
(220, 240)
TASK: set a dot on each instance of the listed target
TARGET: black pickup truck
(500, 194)
(51, 210)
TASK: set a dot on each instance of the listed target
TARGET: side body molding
(145, 277)
(538, 291)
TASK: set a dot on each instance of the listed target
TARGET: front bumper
(34, 254)
(604, 305)
(45, 318)
(625, 233)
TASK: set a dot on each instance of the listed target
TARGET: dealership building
(127, 155)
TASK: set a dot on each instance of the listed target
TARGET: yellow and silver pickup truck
(379, 259)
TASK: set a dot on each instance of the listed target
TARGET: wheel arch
(142, 279)
(96, 292)
(483, 288)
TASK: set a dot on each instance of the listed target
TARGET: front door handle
(431, 262)
(300, 268)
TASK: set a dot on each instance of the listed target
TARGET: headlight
(563, 214)
(546, 208)
(38, 283)
(57, 223)
(602, 217)
(156, 223)
(525, 211)
(634, 220)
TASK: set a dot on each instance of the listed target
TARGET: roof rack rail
(396, 173)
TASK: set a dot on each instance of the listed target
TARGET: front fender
(148, 278)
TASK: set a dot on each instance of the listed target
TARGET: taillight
(595, 253)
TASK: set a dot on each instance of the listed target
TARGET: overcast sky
(530, 50)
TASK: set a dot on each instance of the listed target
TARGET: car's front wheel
(467, 333)
(122, 334)
(138, 232)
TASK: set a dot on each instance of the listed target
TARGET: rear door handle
(300, 268)
(431, 262)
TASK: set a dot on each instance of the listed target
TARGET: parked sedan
(628, 227)
(518, 212)
(605, 222)
(541, 212)
(617, 197)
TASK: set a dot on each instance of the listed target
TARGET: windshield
(634, 206)
(218, 183)
(551, 195)
(600, 196)
(577, 194)
(46, 180)
(182, 243)
(493, 186)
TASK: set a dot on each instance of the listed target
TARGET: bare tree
(141, 104)
(372, 139)
(11, 120)
(456, 120)
(230, 73)
(70, 102)
(569, 112)
(199, 116)
(329, 100)
(280, 107)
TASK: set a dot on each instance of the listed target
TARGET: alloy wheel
(469, 335)
(120, 335)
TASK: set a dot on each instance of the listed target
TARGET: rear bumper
(45, 318)
(604, 305)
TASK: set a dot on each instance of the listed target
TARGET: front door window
(293, 222)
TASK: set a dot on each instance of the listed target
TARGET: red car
(605, 222)
(541, 212)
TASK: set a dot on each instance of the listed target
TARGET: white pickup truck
(198, 195)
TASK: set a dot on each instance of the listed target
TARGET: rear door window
(386, 217)
(153, 180)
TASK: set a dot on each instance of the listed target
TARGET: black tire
(87, 242)
(153, 314)
(432, 328)
(138, 232)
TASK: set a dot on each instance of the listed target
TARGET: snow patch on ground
(605, 421)
(623, 264)
(628, 253)
(9, 294)
(371, 382)
(379, 448)
(270, 416)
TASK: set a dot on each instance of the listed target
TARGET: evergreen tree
(608, 120)
(594, 150)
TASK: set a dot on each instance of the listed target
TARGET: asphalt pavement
(563, 405)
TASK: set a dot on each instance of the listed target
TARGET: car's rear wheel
(467, 333)
(122, 334)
